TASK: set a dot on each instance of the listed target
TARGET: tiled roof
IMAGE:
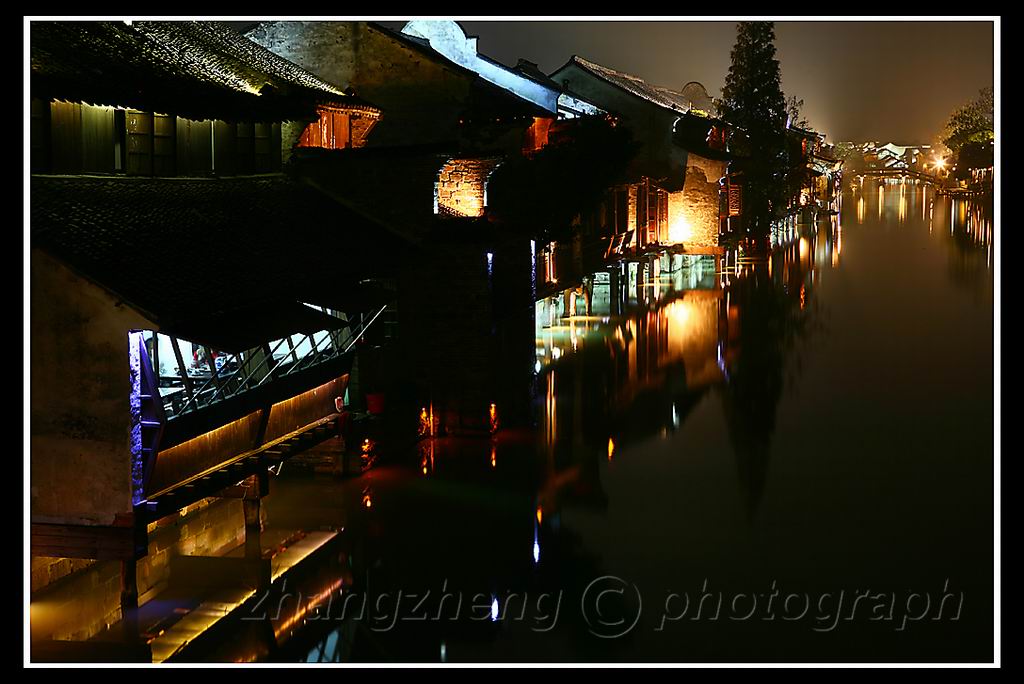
(532, 71)
(198, 70)
(663, 97)
(186, 250)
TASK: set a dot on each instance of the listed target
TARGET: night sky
(885, 81)
(859, 80)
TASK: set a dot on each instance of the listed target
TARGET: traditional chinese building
(823, 186)
(194, 309)
(453, 116)
(673, 194)
(441, 115)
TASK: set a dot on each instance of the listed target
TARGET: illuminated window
(332, 131)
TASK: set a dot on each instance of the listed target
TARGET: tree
(794, 112)
(753, 102)
(971, 123)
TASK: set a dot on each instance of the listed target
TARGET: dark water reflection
(818, 426)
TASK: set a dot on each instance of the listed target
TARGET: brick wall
(461, 184)
(697, 203)
(74, 599)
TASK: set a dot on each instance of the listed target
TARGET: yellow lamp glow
(680, 230)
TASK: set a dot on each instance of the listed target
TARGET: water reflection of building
(626, 356)
(966, 226)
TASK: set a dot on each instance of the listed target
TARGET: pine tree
(753, 102)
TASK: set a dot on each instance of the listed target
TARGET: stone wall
(81, 463)
(697, 205)
(461, 186)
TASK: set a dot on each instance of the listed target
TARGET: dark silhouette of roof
(198, 70)
(192, 253)
(530, 70)
(691, 133)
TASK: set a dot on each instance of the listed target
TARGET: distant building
(824, 170)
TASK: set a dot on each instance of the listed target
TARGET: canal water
(733, 460)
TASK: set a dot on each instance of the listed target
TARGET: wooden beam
(182, 370)
(99, 542)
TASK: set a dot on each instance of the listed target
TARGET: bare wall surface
(81, 463)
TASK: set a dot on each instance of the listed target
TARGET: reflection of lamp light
(680, 230)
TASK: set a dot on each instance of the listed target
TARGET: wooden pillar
(251, 509)
(614, 290)
(129, 599)
(256, 488)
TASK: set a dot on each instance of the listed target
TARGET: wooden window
(149, 144)
(622, 210)
(139, 143)
(97, 139)
(263, 144)
(120, 141)
(333, 130)
(194, 147)
(663, 215)
(735, 200)
(224, 149)
(164, 153)
(66, 137)
(245, 150)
